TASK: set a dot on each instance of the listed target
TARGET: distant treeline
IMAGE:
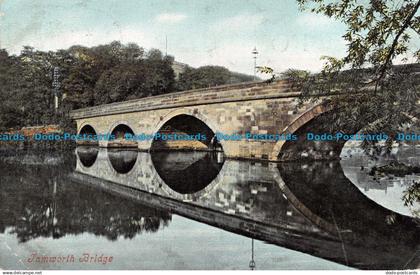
(91, 76)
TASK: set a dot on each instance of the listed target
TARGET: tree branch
(406, 24)
(411, 26)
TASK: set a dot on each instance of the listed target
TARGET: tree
(208, 76)
(159, 73)
(33, 92)
(118, 83)
(203, 77)
(86, 69)
(372, 90)
(135, 78)
(365, 87)
(89, 76)
(10, 113)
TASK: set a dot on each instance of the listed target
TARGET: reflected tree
(411, 195)
(50, 206)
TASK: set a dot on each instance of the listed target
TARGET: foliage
(208, 76)
(11, 113)
(90, 76)
(364, 86)
(143, 78)
(267, 70)
(412, 194)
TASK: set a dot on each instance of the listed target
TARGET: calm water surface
(198, 210)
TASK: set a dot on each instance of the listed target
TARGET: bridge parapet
(219, 94)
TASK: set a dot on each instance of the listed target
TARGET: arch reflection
(122, 161)
(87, 155)
(187, 172)
(324, 189)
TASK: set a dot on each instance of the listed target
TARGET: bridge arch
(200, 120)
(320, 119)
(88, 129)
(296, 124)
(118, 129)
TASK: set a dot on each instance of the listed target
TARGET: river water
(120, 209)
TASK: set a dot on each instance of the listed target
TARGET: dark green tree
(33, 92)
(135, 78)
(90, 76)
(203, 77)
(10, 112)
(208, 76)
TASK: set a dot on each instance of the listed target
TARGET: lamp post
(252, 264)
(56, 86)
(255, 53)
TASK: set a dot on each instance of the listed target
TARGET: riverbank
(23, 139)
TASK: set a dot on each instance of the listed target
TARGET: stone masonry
(256, 107)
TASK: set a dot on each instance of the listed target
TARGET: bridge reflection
(358, 221)
(122, 161)
(187, 172)
(87, 155)
(312, 207)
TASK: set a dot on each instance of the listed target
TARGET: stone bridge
(257, 108)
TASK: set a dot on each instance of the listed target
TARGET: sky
(199, 32)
